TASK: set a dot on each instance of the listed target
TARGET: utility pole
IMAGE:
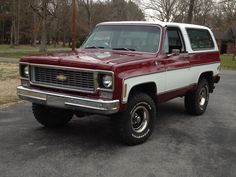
(73, 26)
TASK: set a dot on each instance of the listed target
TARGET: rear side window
(200, 39)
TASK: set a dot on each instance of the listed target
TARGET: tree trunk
(18, 23)
(190, 11)
(13, 25)
(64, 38)
(12, 34)
(33, 27)
(34, 33)
(43, 46)
(73, 26)
(15, 22)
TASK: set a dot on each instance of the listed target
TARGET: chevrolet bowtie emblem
(61, 77)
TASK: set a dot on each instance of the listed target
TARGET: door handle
(186, 57)
(159, 62)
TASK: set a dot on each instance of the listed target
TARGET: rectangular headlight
(106, 81)
(24, 71)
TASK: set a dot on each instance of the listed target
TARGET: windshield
(125, 37)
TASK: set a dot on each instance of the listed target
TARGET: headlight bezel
(24, 71)
(102, 76)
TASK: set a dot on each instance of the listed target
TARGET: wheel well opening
(209, 77)
(148, 88)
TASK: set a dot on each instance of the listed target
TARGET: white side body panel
(161, 79)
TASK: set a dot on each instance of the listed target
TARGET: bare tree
(228, 8)
(43, 46)
(13, 24)
(18, 16)
(165, 10)
(190, 11)
(88, 5)
(203, 12)
(47, 21)
(44, 9)
(133, 12)
(73, 26)
(64, 15)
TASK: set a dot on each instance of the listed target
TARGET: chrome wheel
(203, 96)
(136, 123)
(139, 118)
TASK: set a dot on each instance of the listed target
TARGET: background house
(227, 43)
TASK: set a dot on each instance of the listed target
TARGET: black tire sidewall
(148, 129)
(202, 83)
(192, 103)
(137, 100)
(51, 117)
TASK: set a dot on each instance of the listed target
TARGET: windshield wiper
(94, 47)
(123, 48)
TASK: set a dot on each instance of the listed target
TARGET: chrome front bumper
(68, 101)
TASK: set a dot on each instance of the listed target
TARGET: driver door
(177, 64)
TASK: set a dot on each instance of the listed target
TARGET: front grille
(63, 78)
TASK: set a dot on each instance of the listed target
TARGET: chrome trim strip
(70, 68)
(32, 97)
(24, 63)
(89, 107)
(61, 88)
(69, 101)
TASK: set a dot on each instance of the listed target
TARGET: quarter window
(200, 39)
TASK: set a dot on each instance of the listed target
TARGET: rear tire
(51, 117)
(196, 102)
(135, 124)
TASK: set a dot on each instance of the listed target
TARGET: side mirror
(176, 51)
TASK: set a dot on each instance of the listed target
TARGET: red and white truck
(124, 69)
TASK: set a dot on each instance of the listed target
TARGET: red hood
(94, 59)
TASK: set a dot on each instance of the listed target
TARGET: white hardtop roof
(160, 23)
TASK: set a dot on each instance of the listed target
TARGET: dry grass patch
(9, 79)
(8, 71)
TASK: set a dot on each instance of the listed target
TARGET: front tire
(51, 117)
(135, 124)
(196, 102)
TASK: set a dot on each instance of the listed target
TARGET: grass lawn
(24, 50)
(28, 47)
(227, 62)
(9, 79)
(8, 47)
(18, 54)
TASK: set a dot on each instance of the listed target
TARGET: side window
(200, 39)
(174, 41)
